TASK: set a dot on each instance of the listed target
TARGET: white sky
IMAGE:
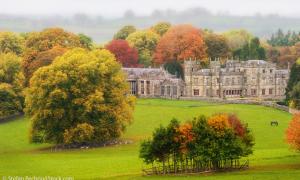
(114, 8)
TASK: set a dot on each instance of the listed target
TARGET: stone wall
(240, 101)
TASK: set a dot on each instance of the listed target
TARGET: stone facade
(154, 82)
(234, 79)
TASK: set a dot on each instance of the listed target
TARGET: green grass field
(272, 159)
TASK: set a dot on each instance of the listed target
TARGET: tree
(33, 60)
(49, 38)
(11, 42)
(161, 28)
(11, 84)
(179, 43)
(124, 32)
(293, 132)
(294, 96)
(237, 38)
(79, 87)
(196, 145)
(280, 38)
(217, 46)
(145, 42)
(85, 41)
(293, 80)
(251, 50)
(10, 101)
(126, 55)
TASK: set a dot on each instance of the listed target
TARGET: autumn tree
(237, 38)
(49, 38)
(196, 145)
(11, 84)
(293, 132)
(126, 55)
(82, 93)
(124, 32)
(11, 42)
(217, 46)
(33, 60)
(145, 42)
(179, 43)
(161, 28)
(38, 48)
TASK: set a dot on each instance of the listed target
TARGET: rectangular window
(162, 90)
(142, 87)
(218, 92)
(132, 87)
(270, 91)
(263, 91)
(175, 90)
(196, 92)
(168, 90)
(253, 92)
(148, 87)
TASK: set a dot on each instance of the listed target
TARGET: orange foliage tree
(33, 60)
(179, 43)
(185, 136)
(293, 132)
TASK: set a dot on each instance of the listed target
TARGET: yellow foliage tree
(79, 87)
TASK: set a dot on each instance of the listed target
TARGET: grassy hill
(272, 158)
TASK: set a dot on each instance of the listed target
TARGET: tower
(190, 66)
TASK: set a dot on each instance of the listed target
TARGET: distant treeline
(102, 29)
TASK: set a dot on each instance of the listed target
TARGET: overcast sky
(115, 8)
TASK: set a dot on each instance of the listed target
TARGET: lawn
(272, 159)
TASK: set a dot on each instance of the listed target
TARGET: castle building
(154, 82)
(234, 79)
(252, 78)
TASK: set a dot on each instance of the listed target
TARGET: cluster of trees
(293, 86)
(203, 144)
(164, 44)
(74, 92)
(283, 48)
(284, 39)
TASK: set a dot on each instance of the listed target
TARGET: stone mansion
(234, 79)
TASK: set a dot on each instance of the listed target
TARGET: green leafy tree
(79, 87)
(161, 28)
(86, 41)
(145, 42)
(251, 50)
(124, 32)
(11, 42)
(293, 86)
